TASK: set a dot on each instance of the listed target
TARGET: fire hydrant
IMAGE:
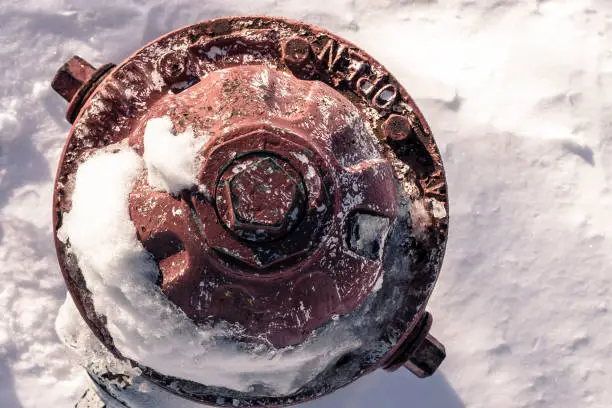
(305, 233)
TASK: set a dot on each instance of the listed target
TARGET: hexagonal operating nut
(262, 199)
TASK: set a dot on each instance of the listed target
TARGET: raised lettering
(434, 185)
(376, 89)
(368, 87)
(356, 66)
(385, 97)
(333, 57)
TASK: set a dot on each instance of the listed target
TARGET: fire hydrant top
(307, 228)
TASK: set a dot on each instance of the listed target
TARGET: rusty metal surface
(289, 175)
(71, 76)
(75, 81)
(85, 91)
(270, 255)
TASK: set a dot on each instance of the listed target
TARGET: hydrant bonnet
(318, 198)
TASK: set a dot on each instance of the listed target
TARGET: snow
(368, 235)
(170, 158)
(215, 52)
(518, 94)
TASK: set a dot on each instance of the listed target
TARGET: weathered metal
(75, 81)
(321, 189)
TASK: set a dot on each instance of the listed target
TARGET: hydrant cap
(318, 192)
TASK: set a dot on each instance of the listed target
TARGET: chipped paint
(293, 104)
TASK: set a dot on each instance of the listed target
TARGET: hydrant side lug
(86, 90)
(419, 352)
(426, 358)
(319, 203)
(71, 76)
(75, 81)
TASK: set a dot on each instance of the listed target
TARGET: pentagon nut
(420, 352)
(71, 76)
(426, 358)
(265, 199)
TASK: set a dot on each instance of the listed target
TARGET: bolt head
(397, 127)
(172, 65)
(296, 52)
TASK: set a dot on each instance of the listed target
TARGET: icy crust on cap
(132, 389)
(170, 158)
(147, 327)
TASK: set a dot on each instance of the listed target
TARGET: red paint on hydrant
(320, 188)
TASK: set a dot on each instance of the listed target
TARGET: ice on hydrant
(257, 218)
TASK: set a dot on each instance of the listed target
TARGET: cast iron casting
(321, 193)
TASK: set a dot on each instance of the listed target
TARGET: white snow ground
(519, 95)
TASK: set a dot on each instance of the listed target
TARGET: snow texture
(519, 96)
(368, 234)
(170, 158)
